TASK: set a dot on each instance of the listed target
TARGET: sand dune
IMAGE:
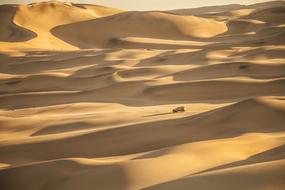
(86, 97)
(36, 17)
(107, 31)
(159, 134)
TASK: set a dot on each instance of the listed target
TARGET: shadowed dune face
(10, 31)
(87, 96)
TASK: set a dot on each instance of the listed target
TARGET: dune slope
(87, 96)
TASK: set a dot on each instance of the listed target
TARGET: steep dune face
(107, 31)
(10, 32)
(75, 118)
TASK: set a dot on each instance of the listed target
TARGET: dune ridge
(86, 97)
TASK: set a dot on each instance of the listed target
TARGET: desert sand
(87, 92)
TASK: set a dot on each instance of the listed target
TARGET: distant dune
(87, 93)
(107, 31)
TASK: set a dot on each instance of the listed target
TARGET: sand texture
(87, 92)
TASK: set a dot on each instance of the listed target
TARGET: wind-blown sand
(87, 92)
